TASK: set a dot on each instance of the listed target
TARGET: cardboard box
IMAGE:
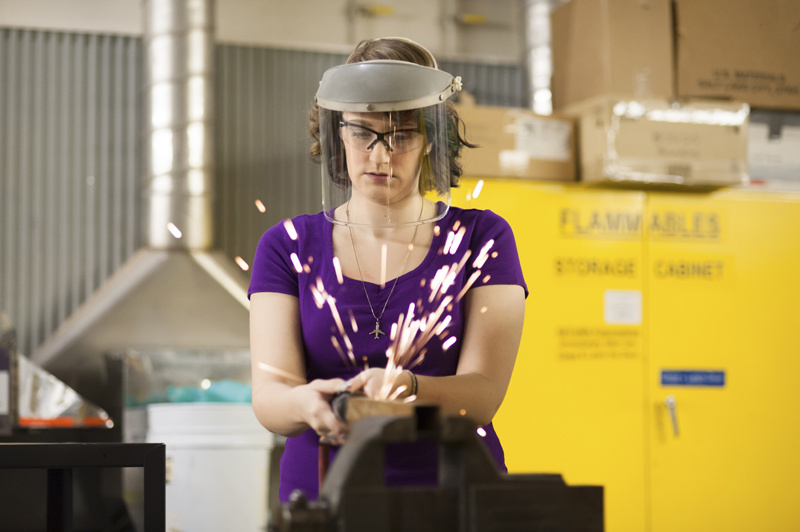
(518, 143)
(695, 143)
(773, 148)
(747, 50)
(622, 48)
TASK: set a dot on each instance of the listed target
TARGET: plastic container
(217, 465)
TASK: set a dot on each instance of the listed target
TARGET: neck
(383, 217)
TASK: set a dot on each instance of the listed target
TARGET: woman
(387, 271)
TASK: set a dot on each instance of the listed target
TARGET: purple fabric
(275, 271)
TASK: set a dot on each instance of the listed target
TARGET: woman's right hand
(314, 400)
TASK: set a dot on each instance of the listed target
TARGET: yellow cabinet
(642, 298)
(723, 345)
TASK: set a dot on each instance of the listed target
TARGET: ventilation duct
(176, 292)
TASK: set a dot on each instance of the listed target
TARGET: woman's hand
(314, 400)
(379, 383)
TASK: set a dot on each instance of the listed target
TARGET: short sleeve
(495, 259)
(273, 270)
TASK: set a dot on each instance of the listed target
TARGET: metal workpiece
(472, 495)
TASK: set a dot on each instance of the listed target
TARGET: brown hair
(399, 49)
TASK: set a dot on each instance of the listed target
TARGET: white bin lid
(206, 423)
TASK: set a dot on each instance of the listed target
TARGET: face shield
(384, 142)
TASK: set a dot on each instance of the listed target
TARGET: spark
(449, 343)
(481, 432)
(484, 309)
(353, 323)
(290, 230)
(463, 412)
(486, 279)
(321, 298)
(400, 389)
(260, 206)
(436, 230)
(443, 325)
(383, 266)
(445, 277)
(338, 319)
(457, 240)
(319, 294)
(296, 261)
(477, 190)
(337, 267)
(483, 256)
(172, 228)
(448, 242)
(279, 372)
(468, 284)
(338, 348)
(307, 268)
(242, 263)
(205, 384)
(411, 335)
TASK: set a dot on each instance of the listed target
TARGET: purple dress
(302, 265)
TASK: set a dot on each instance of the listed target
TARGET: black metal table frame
(61, 458)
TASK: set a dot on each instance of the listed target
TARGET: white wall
(315, 24)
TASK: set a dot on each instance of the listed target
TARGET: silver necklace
(378, 332)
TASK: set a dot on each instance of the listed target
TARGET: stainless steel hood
(177, 291)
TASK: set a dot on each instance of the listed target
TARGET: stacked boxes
(695, 143)
(746, 50)
(681, 54)
(774, 148)
(518, 143)
(611, 47)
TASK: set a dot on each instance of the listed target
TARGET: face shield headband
(384, 142)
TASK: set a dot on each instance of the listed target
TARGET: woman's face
(383, 154)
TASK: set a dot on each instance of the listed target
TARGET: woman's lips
(379, 177)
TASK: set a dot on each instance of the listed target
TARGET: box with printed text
(518, 143)
(747, 50)
(694, 143)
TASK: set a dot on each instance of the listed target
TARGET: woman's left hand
(378, 383)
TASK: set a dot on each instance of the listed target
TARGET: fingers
(363, 381)
(329, 387)
(319, 415)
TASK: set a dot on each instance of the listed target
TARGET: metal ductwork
(538, 54)
(177, 291)
(179, 55)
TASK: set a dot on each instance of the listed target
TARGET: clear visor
(385, 168)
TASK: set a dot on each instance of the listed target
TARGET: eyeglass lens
(364, 139)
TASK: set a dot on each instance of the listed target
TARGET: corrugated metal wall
(69, 167)
(70, 157)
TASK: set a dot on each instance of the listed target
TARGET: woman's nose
(380, 152)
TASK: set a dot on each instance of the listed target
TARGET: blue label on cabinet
(692, 378)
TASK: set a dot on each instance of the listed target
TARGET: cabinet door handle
(673, 413)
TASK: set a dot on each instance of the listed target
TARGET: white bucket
(217, 466)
